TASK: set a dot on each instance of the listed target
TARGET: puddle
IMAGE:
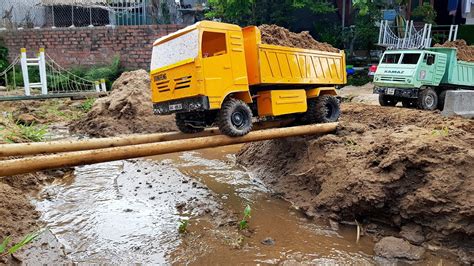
(129, 211)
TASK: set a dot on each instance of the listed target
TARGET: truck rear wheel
(323, 109)
(427, 99)
(387, 100)
(190, 122)
(235, 118)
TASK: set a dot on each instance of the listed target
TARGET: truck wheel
(234, 118)
(441, 98)
(387, 100)
(409, 103)
(323, 109)
(190, 122)
(428, 99)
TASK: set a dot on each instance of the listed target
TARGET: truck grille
(180, 83)
(183, 82)
(396, 79)
(162, 86)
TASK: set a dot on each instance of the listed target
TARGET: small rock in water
(268, 241)
(397, 248)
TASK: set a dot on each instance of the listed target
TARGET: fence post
(102, 85)
(42, 72)
(24, 71)
(97, 86)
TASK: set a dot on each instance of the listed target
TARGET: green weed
(443, 132)
(183, 226)
(244, 223)
(4, 250)
(86, 106)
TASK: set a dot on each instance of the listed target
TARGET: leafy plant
(244, 224)
(183, 226)
(17, 132)
(4, 250)
(86, 106)
(443, 132)
(425, 13)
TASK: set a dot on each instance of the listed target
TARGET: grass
(12, 131)
(183, 226)
(5, 251)
(244, 223)
(443, 132)
(86, 106)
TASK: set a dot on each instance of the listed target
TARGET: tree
(246, 12)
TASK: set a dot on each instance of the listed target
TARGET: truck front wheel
(190, 122)
(323, 109)
(428, 99)
(235, 118)
(387, 100)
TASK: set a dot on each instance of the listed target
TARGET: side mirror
(430, 60)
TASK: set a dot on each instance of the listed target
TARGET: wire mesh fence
(21, 14)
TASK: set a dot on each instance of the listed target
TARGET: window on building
(391, 58)
(410, 58)
(213, 44)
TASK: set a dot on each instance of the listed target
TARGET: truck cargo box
(272, 64)
(457, 72)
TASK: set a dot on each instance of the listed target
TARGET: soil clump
(390, 167)
(128, 109)
(465, 52)
(276, 35)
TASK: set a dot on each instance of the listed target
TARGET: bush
(359, 78)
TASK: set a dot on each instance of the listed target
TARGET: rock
(27, 119)
(397, 248)
(268, 241)
(413, 233)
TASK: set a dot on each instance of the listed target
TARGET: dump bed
(457, 72)
(272, 64)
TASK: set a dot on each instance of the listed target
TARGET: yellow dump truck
(217, 73)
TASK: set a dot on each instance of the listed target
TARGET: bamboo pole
(21, 149)
(32, 164)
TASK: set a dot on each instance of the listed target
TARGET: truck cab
(403, 75)
(191, 69)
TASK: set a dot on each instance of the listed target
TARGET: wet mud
(129, 212)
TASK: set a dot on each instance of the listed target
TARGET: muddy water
(129, 212)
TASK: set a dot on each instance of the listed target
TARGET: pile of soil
(273, 34)
(465, 52)
(385, 167)
(128, 109)
(19, 216)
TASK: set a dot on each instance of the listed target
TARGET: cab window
(391, 58)
(213, 44)
(410, 58)
(429, 59)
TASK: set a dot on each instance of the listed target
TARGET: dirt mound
(128, 109)
(388, 166)
(465, 52)
(273, 34)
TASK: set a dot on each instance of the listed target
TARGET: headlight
(409, 80)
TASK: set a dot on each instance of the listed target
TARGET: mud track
(385, 167)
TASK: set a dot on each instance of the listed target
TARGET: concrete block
(459, 102)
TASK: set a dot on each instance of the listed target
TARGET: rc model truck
(213, 73)
(421, 78)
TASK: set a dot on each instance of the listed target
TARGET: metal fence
(21, 14)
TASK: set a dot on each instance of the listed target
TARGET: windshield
(391, 58)
(410, 58)
(175, 50)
